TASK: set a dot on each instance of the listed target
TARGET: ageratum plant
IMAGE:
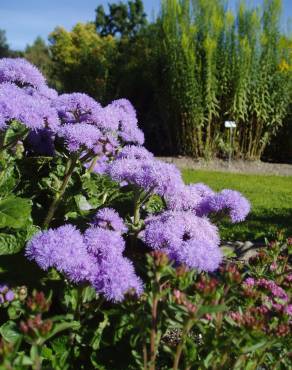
(106, 228)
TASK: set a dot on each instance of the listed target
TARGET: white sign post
(230, 125)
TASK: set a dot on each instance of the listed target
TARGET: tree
(39, 54)
(4, 48)
(123, 19)
(83, 60)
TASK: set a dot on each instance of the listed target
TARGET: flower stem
(154, 314)
(56, 201)
(93, 163)
(187, 327)
(136, 207)
(153, 333)
(13, 142)
(145, 356)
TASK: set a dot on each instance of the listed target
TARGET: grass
(270, 196)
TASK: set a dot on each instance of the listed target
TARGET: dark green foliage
(39, 54)
(4, 48)
(123, 19)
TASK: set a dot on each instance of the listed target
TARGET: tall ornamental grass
(223, 65)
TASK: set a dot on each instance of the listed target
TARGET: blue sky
(24, 20)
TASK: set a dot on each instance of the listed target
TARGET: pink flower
(250, 282)
(273, 266)
(288, 310)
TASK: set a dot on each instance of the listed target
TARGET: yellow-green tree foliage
(83, 60)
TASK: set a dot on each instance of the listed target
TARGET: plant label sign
(230, 124)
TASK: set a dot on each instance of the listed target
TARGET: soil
(236, 166)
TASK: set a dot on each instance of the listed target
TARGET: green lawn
(270, 196)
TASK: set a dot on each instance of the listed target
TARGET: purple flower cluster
(269, 285)
(203, 201)
(6, 294)
(95, 257)
(77, 108)
(116, 274)
(184, 198)
(20, 72)
(80, 136)
(228, 201)
(277, 299)
(128, 130)
(77, 118)
(109, 219)
(110, 139)
(186, 238)
(16, 104)
(149, 174)
(63, 249)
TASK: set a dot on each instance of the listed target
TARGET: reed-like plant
(222, 65)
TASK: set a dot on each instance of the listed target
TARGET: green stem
(154, 316)
(37, 363)
(93, 163)
(56, 201)
(145, 356)
(136, 218)
(187, 327)
(13, 142)
(136, 207)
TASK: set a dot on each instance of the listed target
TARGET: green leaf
(13, 243)
(10, 332)
(211, 309)
(95, 342)
(14, 212)
(254, 347)
(15, 131)
(7, 179)
(58, 328)
(10, 244)
(82, 203)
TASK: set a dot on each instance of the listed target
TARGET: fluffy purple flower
(126, 106)
(202, 190)
(43, 92)
(9, 296)
(80, 135)
(64, 249)
(229, 201)
(134, 152)
(116, 278)
(184, 198)
(20, 72)
(35, 113)
(151, 175)
(121, 116)
(77, 108)
(186, 238)
(116, 275)
(108, 118)
(108, 218)
(3, 288)
(107, 144)
(100, 242)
